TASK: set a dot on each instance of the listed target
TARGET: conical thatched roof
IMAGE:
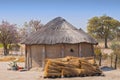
(58, 31)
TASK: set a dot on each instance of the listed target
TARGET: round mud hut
(57, 39)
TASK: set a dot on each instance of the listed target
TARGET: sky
(77, 12)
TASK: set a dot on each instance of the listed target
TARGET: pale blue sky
(77, 12)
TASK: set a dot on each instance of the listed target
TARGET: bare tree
(8, 35)
(35, 24)
(30, 27)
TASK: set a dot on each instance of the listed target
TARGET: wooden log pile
(71, 67)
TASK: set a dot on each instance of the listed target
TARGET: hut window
(71, 50)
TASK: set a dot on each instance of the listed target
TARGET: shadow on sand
(106, 68)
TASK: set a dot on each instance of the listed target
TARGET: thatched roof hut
(58, 38)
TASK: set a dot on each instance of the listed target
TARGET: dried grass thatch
(71, 66)
(58, 31)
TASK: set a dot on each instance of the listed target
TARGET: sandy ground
(109, 75)
(17, 75)
(37, 75)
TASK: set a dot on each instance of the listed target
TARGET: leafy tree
(117, 33)
(103, 27)
(115, 46)
(8, 35)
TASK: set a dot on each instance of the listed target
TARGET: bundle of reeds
(71, 66)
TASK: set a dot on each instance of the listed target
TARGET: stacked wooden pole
(71, 66)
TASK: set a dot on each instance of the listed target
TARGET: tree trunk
(111, 60)
(106, 46)
(116, 61)
(6, 51)
(100, 59)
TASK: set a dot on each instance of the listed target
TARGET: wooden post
(43, 56)
(92, 49)
(30, 59)
(62, 50)
(28, 65)
(93, 54)
(26, 56)
(80, 50)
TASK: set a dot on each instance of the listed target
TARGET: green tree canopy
(103, 27)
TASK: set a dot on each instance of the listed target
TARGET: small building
(57, 39)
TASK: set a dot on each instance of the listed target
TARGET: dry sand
(37, 75)
(17, 75)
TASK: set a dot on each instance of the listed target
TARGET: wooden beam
(62, 50)
(30, 59)
(93, 51)
(43, 56)
(26, 56)
(80, 50)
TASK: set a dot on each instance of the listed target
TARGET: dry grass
(12, 58)
(21, 59)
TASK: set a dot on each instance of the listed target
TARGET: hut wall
(86, 50)
(53, 51)
(71, 50)
(27, 57)
(37, 51)
(34, 56)
(28, 61)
